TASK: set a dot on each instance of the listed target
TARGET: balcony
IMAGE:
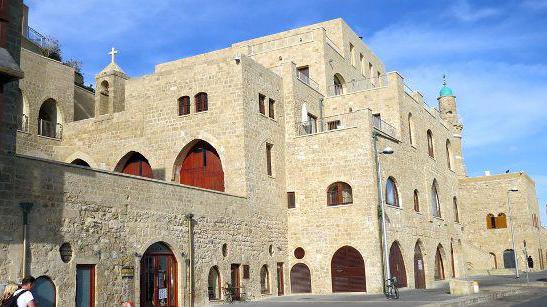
(50, 129)
(329, 123)
(307, 80)
(36, 37)
(383, 127)
(357, 85)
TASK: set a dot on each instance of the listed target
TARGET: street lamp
(513, 232)
(386, 151)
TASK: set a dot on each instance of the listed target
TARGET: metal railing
(50, 129)
(357, 85)
(36, 37)
(383, 127)
(329, 123)
(22, 123)
(307, 80)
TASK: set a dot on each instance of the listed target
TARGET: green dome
(445, 91)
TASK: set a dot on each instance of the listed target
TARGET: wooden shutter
(501, 221)
(291, 200)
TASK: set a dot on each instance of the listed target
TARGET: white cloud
(463, 11)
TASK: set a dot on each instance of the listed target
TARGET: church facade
(264, 165)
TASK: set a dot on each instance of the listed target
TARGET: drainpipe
(189, 218)
(25, 208)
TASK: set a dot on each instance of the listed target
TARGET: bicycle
(391, 290)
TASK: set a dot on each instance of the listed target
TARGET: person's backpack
(12, 301)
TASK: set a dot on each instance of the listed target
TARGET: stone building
(254, 165)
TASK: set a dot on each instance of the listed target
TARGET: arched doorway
(133, 163)
(44, 292)
(397, 265)
(48, 120)
(80, 162)
(348, 271)
(214, 284)
(200, 166)
(439, 263)
(300, 279)
(508, 259)
(494, 263)
(158, 277)
(419, 269)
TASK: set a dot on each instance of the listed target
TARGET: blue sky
(492, 51)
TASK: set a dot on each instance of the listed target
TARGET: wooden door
(300, 279)
(439, 266)
(202, 168)
(419, 270)
(397, 265)
(280, 279)
(137, 165)
(85, 285)
(508, 259)
(158, 277)
(235, 279)
(348, 271)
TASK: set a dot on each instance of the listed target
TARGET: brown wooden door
(300, 279)
(439, 266)
(397, 265)
(235, 279)
(419, 270)
(137, 165)
(348, 271)
(202, 168)
(280, 279)
(158, 277)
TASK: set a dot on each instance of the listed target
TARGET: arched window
(435, 202)
(201, 102)
(48, 120)
(456, 213)
(430, 149)
(184, 105)
(214, 284)
(264, 280)
(501, 221)
(411, 129)
(392, 195)
(416, 201)
(44, 291)
(198, 164)
(339, 193)
(80, 162)
(104, 93)
(133, 163)
(338, 81)
(449, 155)
(490, 221)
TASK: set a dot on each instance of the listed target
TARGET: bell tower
(110, 88)
(449, 112)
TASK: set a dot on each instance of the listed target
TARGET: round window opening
(299, 253)
(224, 250)
(271, 250)
(66, 252)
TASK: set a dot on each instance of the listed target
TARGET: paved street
(533, 294)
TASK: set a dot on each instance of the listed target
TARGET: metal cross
(113, 53)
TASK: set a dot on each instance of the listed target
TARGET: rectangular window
(352, 54)
(85, 285)
(269, 158)
(246, 271)
(271, 108)
(362, 63)
(291, 200)
(201, 102)
(261, 102)
(333, 125)
(184, 105)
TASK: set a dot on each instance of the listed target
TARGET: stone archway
(158, 277)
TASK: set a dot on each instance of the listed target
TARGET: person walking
(23, 296)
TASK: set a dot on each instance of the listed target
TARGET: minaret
(449, 113)
(110, 88)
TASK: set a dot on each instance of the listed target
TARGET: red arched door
(397, 265)
(300, 279)
(136, 164)
(348, 271)
(158, 277)
(419, 270)
(202, 168)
